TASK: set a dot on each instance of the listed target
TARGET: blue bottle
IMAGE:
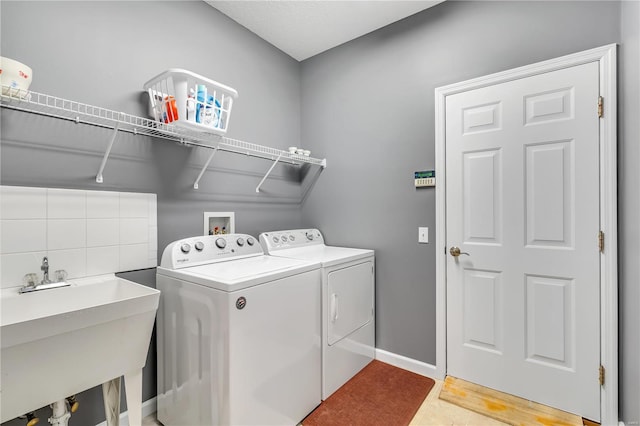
(201, 96)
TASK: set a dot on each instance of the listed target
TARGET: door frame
(606, 57)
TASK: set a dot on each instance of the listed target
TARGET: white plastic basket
(190, 100)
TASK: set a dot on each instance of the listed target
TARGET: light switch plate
(423, 235)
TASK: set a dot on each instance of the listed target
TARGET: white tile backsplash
(21, 236)
(73, 261)
(153, 256)
(66, 204)
(103, 232)
(19, 202)
(84, 232)
(103, 204)
(14, 267)
(153, 238)
(103, 260)
(133, 205)
(153, 210)
(133, 256)
(66, 234)
(134, 231)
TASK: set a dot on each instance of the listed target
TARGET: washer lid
(327, 255)
(237, 274)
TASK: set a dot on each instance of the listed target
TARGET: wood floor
(437, 412)
(504, 407)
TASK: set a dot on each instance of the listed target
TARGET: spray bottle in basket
(191, 106)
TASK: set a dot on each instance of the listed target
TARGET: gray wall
(369, 106)
(629, 205)
(102, 53)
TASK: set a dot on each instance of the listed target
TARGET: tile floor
(433, 412)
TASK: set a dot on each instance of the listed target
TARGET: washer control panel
(279, 240)
(208, 249)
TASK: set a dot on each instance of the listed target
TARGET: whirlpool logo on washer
(241, 302)
(182, 260)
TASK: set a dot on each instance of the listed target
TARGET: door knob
(455, 252)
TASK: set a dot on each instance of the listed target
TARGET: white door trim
(606, 57)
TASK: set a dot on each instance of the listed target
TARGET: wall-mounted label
(425, 178)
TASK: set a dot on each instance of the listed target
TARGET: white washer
(238, 334)
(348, 302)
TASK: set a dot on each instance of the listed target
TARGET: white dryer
(348, 302)
(238, 334)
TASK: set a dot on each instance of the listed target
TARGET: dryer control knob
(250, 241)
(240, 241)
(292, 237)
(185, 248)
(199, 246)
(276, 239)
(309, 235)
(221, 243)
(283, 238)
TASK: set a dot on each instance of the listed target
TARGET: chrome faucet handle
(61, 275)
(30, 280)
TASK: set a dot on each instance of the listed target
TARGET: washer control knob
(199, 246)
(292, 237)
(283, 238)
(309, 235)
(240, 241)
(276, 239)
(185, 248)
(221, 243)
(250, 241)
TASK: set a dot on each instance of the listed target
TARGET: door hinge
(601, 241)
(600, 106)
(601, 375)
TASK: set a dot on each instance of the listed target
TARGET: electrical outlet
(423, 235)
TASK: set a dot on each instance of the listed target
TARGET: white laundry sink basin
(59, 342)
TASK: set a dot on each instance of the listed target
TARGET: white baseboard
(409, 364)
(148, 407)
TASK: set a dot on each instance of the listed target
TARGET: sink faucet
(30, 280)
(45, 268)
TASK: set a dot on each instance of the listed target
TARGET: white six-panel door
(522, 173)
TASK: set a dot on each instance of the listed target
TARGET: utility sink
(62, 341)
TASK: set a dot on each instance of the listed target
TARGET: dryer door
(350, 300)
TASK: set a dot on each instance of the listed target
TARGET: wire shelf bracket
(204, 168)
(268, 173)
(99, 178)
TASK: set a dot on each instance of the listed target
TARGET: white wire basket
(190, 100)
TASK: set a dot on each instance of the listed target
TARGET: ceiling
(304, 28)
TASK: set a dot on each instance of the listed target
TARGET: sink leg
(133, 385)
(60, 415)
(111, 397)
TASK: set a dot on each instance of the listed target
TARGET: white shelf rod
(107, 152)
(204, 168)
(268, 173)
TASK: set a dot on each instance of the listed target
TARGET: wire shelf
(52, 106)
